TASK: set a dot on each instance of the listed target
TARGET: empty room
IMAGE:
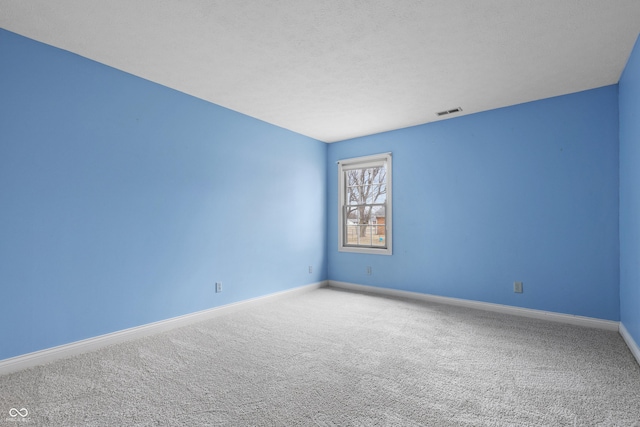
(320, 213)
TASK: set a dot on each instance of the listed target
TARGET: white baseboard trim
(589, 322)
(67, 350)
(631, 343)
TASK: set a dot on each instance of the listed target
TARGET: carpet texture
(337, 358)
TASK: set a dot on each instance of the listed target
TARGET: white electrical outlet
(517, 287)
(368, 270)
(310, 269)
(218, 287)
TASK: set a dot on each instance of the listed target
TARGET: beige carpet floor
(337, 358)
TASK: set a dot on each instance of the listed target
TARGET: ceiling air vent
(445, 112)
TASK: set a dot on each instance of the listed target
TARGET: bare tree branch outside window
(366, 195)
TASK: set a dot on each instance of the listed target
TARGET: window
(364, 214)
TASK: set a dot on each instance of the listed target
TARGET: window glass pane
(365, 186)
(379, 238)
(352, 234)
(379, 219)
(364, 224)
(376, 194)
(352, 216)
(365, 236)
(370, 235)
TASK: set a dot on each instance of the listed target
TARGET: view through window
(365, 195)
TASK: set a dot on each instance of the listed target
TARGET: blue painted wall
(629, 89)
(525, 193)
(122, 201)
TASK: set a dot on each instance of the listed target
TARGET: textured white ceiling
(337, 69)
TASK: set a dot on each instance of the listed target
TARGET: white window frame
(357, 163)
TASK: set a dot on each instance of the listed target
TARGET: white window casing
(358, 231)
